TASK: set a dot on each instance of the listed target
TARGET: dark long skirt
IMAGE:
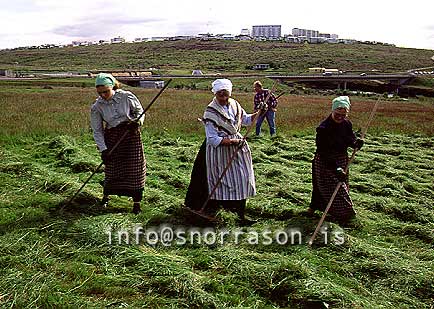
(126, 170)
(324, 183)
(197, 192)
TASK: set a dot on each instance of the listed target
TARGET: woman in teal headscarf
(333, 137)
(114, 112)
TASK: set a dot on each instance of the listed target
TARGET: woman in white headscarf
(223, 119)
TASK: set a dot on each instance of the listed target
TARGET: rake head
(201, 215)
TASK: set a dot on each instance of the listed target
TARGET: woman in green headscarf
(114, 112)
(333, 137)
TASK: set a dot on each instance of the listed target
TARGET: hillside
(219, 56)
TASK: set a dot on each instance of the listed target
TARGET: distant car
(362, 74)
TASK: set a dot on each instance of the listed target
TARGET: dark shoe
(136, 208)
(105, 202)
(310, 212)
(247, 221)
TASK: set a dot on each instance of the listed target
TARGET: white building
(245, 31)
(305, 32)
(205, 36)
(81, 43)
(267, 31)
(329, 36)
(159, 38)
(291, 39)
(117, 40)
(243, 37)
(316, 39)
(138, 40)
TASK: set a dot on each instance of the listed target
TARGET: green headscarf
(342, 101)
(104, 79)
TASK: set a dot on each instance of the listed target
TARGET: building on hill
(6, 73)
(205, 36)
(267, 31)
(138, 40)
(159, 38)
(316, 40)
(291, 39)
(117, 40)
(297, 32)
(245, 31)
(224, 36)
(243, 37)
(261, 66)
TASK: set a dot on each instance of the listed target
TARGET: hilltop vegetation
(219, 56)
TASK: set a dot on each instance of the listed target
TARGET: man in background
(269, 108)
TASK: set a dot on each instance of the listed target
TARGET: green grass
(37, 111)
(219, 56)
(51, 258)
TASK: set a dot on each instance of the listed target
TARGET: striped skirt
(238, 183)
(126, 170)
(324, 183)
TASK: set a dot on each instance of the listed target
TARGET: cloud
(193, 28)
(20, 6)
(98, 26)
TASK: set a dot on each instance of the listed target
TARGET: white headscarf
(220, 84)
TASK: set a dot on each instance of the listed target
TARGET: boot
(136, 208)
(105, 201)
(242, 218)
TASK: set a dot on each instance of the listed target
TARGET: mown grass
(62, 259)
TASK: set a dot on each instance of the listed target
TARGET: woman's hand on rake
(105, 156)
(231, 141)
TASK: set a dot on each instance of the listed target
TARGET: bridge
(401, 77)
(395, 79)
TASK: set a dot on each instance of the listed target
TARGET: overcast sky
(35, 22)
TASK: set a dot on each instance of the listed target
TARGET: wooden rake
(338, 186)
(115, 146)
(201, 213)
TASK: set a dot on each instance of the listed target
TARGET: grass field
(52, 259)
(181, 57)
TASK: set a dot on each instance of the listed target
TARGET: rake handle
(116, 145)
(240, 145)
(332, 198)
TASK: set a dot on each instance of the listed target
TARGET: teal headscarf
(104, 79)
(342, 101)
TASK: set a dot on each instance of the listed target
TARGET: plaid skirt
(126, 170)
(324, 183)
